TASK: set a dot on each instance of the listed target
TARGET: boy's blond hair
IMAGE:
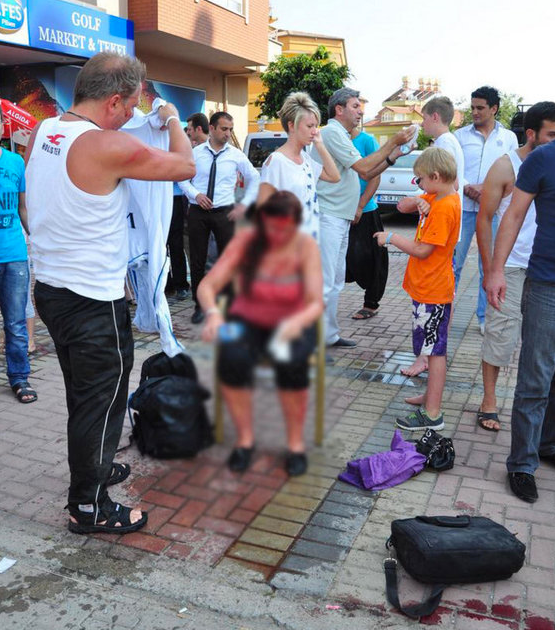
(436, 160)
(443, 106)
(295, 106)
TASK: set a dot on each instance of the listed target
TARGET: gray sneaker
(419, 420)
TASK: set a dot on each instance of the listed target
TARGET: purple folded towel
(387, 469)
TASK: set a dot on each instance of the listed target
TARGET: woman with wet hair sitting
(278, 273)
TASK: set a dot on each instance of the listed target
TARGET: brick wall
(209, 24)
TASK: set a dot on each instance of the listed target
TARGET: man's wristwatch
(389, 161)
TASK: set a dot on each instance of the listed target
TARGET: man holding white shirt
(77, 198)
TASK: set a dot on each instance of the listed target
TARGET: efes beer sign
(13, 22)
(12, 16)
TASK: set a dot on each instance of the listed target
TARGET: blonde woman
(291, 168)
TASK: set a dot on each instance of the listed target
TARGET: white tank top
(78, 240)
(523, 245)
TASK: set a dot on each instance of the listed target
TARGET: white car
(397, 181)
(259, 145)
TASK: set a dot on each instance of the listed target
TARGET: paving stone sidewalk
(308, 541)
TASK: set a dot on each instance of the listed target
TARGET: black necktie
(212, 176)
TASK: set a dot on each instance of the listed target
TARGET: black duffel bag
(444, 550)
(169, 417)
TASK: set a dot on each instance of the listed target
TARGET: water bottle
(405, 148)
(231, 331)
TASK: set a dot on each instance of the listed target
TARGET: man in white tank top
(77, 202)
(502, 327)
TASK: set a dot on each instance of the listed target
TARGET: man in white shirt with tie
(211, 195)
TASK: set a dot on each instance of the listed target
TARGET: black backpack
(162, 365)
(170, 419)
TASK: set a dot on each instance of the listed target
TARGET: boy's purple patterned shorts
(429, 328)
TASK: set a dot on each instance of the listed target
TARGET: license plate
(390, 198)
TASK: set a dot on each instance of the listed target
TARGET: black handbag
(444, 550)
(438, 450)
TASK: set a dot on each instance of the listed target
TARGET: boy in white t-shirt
(437, 115)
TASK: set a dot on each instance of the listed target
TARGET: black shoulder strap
(416, 611)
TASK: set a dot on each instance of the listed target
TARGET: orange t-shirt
(431, 280)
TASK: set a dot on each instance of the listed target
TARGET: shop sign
(64, 27)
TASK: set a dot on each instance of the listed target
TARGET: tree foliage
(315, 74)
(507, 109)
(423, 141)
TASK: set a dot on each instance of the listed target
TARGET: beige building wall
(237, 106)
(186, 75)
(222, 91)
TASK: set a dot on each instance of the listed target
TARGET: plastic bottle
(230, 331)
(405, 148)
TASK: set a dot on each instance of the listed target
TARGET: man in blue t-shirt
(14, 272)
(533, 417)
(363, 247)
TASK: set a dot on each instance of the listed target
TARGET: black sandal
(23, 389)
(120, 472)
(485, 416)
(115, 519)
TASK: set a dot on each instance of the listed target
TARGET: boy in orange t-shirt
(429, 278)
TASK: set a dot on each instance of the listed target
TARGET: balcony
(224, 35)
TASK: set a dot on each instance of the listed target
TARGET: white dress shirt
(229, 163)
(480, 153)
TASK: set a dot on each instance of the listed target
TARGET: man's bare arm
(136, 160)
(494, 282)
(510, 227)
(499, 178)
(97, 160)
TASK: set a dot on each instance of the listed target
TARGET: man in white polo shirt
(482, 143)
(339, 201)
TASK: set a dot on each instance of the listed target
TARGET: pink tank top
(271, 300)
